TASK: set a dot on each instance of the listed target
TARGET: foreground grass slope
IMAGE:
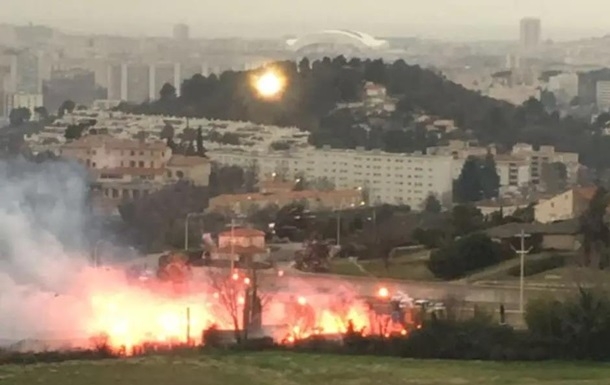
(295, 369)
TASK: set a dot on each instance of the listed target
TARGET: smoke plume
(43, 218)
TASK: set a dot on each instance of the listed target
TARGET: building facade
(402, 179)
(125, 169)
(530, 33)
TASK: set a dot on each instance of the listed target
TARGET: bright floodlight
(269, 84)
(383, 292)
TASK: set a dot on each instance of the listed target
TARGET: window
(169, 174)
(132, 164)
(141, 164)
(132, 153)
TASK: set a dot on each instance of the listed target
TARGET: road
(483, 294)
(495, 293)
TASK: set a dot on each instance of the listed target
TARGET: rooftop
(509, 230)
(97, 141)
(186, 161)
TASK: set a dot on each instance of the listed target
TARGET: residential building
(567, 205)
(559, 236)
(602, 94)
(547, 154)
(564, 86)
(460, 150)
(385, 177)
(21, 100)
(138, 82)
(242, 242)
(530, 33)
(505, 206)
(124, 169)
(314, 200)
(587, 85)
(77, 85)
(513, 171)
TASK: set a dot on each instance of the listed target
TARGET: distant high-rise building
(530, 33)
(75, 84)
(181, 32)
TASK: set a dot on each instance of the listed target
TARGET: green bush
(578, 327)
(465, 255)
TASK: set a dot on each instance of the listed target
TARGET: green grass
(404, 268)
(295, 369)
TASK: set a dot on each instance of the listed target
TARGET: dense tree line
(314, 89)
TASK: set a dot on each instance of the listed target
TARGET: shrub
(467, 254)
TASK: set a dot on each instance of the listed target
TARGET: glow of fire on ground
(130, 315)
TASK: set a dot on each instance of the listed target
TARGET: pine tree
(489, 179)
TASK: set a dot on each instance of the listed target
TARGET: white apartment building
(513, 171)
(23, 100)
(603, 94)
(564, 86)
(547, 154)
(387, 177)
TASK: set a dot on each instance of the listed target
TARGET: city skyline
(272, 18)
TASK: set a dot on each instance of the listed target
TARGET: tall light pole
(522, 251)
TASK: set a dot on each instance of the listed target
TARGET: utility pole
(522, 251)
(188, 326)
(339, 228)
(232, 245)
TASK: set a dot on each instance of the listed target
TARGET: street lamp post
(522, 251)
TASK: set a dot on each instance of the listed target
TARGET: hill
(315, 89)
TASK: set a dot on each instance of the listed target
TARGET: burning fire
(129, 315)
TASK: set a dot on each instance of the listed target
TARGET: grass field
(295, 369)
(404, 268)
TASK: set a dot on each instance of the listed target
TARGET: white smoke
(43, 218)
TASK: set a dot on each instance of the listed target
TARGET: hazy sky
(436, 18)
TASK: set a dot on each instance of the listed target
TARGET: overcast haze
(462, 19)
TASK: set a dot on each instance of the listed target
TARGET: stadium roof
(338, 35)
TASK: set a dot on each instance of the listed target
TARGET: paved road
(485, 294)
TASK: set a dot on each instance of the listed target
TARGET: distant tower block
(530, 33)
(181, 32)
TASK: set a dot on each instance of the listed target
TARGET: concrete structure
(337, 42)
(567, 205)
(530, 33)
(404, 179)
